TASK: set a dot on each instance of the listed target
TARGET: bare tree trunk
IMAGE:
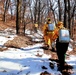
(17, 20)
(5, 9)
(59, 7)
(20, 19)
(31, 12)
(69, 22)
(11, 12)
(65, 11)
(39, 13)
(53, 10)
(35, 12)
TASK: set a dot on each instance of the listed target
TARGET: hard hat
(48, 20)
(60, 24)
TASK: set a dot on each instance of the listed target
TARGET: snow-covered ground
(25, 61)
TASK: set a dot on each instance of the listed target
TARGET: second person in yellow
(48, 35)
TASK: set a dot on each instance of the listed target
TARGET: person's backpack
(64, 35)
(51, 27)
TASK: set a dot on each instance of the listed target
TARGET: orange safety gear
(47, 35)
(56, 31)
(60, 24)
(51, 36)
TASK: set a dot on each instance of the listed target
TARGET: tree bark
(59, 8)
(65, 11)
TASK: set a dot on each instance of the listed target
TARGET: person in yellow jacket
(61, 48)
(47, 34)
(59, 25)
(36, 27)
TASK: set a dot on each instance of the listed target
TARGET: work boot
(50, 48)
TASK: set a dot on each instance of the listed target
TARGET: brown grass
(18, 42)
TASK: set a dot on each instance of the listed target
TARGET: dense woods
(29, 12)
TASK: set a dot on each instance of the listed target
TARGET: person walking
(61, 47)
(48, 34)
(36, 27)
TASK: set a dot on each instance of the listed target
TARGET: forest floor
(21, 41)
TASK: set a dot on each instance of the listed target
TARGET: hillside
(24, 41)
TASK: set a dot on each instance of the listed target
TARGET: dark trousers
(61, 51)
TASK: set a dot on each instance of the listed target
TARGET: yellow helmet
(48, 20)
(60, 24)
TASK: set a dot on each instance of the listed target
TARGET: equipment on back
(51, 27)
(64, 35)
